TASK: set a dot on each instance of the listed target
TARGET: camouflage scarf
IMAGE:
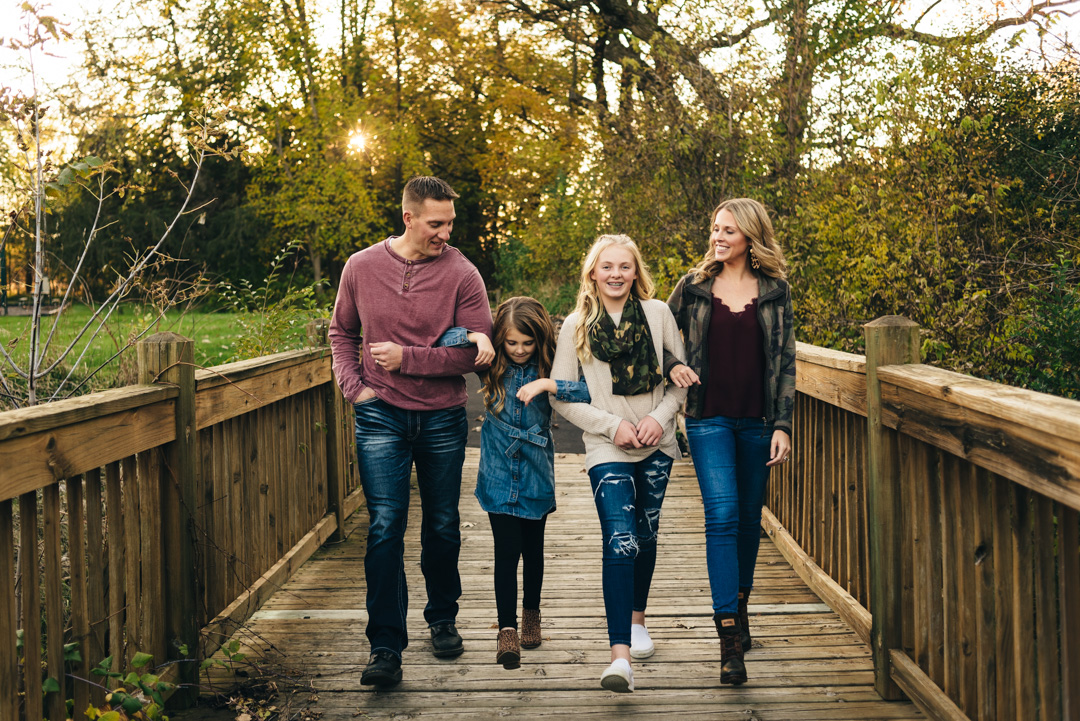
(629, 350)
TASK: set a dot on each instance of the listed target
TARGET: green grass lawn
(214, 333)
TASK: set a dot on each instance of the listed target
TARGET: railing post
(890, 340)
(168, 358)
(317, 331)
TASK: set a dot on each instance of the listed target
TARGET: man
(394, 301)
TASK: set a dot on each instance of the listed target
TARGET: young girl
(516, 483)
(618, 335)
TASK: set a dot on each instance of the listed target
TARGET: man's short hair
(425, 187)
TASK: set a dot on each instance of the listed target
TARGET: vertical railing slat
(986, 575)
(30, 595)
(950, 572)
(117, 532)
(96, 594)
(936, 573)
(54, 602)
(908, 449)
(1005, 667)
(9, 660)
(80, 612)
(916, 479)
(1047, 647)
(1069, 607)
(233, 451)
(965, 556)
(1023, 611)
(131, 513)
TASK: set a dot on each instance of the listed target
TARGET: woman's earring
(754, 262)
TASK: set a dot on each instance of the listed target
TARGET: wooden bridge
(926, 544)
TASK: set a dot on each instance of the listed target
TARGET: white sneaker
(618, 677)
(641, 645)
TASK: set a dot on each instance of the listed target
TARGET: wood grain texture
(835, 595)
(79, 609)
(1053, 415)
(168, 359)
(1024, 447)
(841, 388)
(97, 570)
(1069, 609)
(222, 401)
(805, 662)
(51, 416)
(9, 659)
(55, 707)
(922, 691)
(36, 460)
(890, 340)
(31, 603)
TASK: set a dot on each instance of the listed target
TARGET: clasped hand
(647, 432)
(387, 355)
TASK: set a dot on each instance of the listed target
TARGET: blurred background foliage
(923, 169)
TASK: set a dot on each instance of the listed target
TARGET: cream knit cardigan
(600, 419)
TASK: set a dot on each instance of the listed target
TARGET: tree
(43, 180)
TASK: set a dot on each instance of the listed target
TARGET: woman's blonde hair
(590, 308)
(528, 317)
(753, 221)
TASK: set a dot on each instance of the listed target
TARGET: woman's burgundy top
(736, 384)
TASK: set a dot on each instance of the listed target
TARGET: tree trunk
(794, 89)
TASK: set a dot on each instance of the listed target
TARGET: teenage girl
(516, 483)
(618, 335)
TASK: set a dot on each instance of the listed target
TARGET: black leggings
(517, 538)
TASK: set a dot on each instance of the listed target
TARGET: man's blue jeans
(388, 441)
(628, 498)
(729, 457)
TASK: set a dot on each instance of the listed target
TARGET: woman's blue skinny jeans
(729, 458)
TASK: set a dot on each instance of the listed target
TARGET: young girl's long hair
(589, 306)
(753, 221)
(528, 317)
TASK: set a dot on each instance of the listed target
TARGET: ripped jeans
(628, 498)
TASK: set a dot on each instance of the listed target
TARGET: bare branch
(118, 293)
(1043, 10)
(78, 266)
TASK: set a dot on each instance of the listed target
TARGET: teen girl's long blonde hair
(589, 306)
(528, 317)
(753, 221)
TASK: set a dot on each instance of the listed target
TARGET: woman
(734, 310)
(617, 335)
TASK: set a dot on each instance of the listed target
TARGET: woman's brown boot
(508, 651)
(732, 668)
(744, 618)
(530, 628)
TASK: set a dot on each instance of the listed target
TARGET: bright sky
(65, 60)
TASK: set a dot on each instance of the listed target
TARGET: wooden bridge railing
(938, 514)
(156, 518)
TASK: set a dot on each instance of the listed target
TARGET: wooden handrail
(1028, 437)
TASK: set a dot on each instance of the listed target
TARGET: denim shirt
(517, 455)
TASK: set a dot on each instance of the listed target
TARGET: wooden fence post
(890, 340)
(168, 358)
(336, 465)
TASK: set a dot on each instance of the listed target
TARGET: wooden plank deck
(805, 664)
